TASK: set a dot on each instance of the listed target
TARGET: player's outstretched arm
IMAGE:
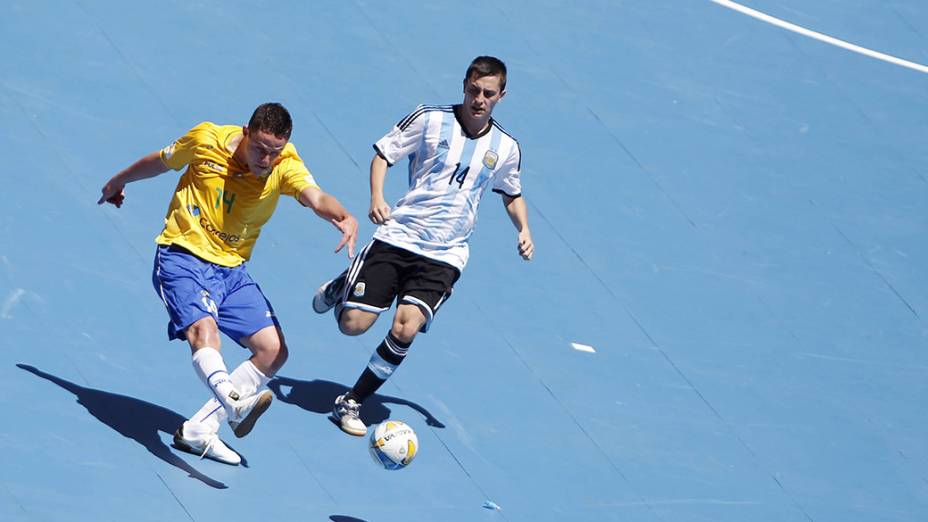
(518, 213)
(147, 166)
(328, 208)
(380, 210)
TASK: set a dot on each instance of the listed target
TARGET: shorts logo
(490, 159)
(359, 289)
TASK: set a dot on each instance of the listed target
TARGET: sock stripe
(394, 347)
(209, 378)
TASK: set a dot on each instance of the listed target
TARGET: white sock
(246, 379)
(209, 366)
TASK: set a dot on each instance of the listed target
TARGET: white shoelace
(209, 444)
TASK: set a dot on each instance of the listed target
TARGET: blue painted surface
(731, 214)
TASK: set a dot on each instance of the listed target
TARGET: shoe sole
(355, 433)
(180, 445)
(244, 428)
(335, 420)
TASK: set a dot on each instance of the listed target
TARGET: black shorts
(382, 272)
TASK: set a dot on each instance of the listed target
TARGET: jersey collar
(457, 115)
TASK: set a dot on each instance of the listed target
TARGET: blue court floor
(725, 319)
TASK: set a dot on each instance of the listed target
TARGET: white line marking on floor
(819, 36)
(583, 347)
(10, 302)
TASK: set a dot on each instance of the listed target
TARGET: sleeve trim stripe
(380, 153)
(513, 196)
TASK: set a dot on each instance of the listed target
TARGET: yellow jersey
(219, 207)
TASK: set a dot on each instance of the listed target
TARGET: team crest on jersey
(359, 289)
(489, 159)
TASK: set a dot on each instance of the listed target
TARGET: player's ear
(245, 130)
(501, 95)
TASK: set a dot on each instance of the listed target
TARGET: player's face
(481, 95)
(262, 150)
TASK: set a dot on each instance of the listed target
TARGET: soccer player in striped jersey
(455, 153)
(233, 178)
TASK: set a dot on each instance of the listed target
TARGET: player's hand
(349, 228)
(113, 192)
(380, 211)
(526, 245)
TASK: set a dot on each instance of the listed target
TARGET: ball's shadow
(318, 396)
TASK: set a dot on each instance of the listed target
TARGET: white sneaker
(248, 410)
(208, 447)
(346, 412)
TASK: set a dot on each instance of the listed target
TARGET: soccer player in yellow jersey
(233, 179)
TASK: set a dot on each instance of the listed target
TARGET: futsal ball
(394, 444)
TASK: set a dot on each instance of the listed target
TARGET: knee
(405, 330)
(352, 323)
(203, 332)
(272, 356)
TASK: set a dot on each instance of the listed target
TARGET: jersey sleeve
(405, 137)
(180, 153)
(294, 176)
(509, 181)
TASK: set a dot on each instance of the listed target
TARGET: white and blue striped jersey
(448, 173)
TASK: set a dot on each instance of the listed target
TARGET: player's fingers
(341, 244)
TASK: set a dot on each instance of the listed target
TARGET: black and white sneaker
(347, 413)
(329, 294)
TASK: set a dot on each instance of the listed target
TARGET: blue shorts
(192, 288)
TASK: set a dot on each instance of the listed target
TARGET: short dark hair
(272, 118)
(487, 66)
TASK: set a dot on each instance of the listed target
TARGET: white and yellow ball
(394, 444)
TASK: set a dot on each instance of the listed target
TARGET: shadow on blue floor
(729, 216)
(318, 396)
(132, 418)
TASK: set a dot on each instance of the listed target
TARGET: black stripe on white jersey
(518, 147)
(407, 121)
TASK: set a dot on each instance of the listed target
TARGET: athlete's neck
(473, 127)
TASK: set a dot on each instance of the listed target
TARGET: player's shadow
(138, 420)
(318, 396)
